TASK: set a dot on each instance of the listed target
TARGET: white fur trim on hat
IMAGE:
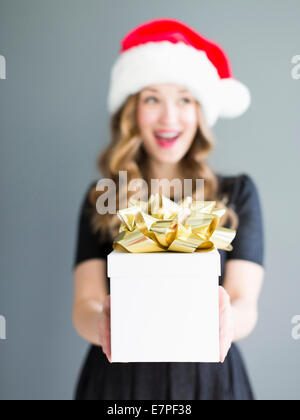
(236, 98)
(165, 62)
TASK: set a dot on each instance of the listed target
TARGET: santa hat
(168, 51)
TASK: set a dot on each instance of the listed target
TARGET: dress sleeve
(88, 244)
(249, 241)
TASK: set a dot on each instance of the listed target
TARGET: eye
(149, 98)
(186, 100)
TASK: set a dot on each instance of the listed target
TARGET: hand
(105, 331)
(226, 323)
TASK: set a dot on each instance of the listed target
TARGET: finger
(106, 302)
(226, 344)
(224, 308)
(221, 355)
(107, 353)
(223, 297)
(223, 312)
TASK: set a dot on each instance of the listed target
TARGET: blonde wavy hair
(126, 153)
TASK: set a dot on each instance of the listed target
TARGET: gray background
(53, 123)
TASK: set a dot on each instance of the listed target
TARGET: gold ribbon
(162, 225)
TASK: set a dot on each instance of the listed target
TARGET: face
(168, 121)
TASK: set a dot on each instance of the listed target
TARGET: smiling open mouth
(167, 140)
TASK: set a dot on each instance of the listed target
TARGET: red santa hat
(168, 51)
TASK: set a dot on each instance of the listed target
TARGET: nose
(169, 114)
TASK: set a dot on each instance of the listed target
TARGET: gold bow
(162, 225)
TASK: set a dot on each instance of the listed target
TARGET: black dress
(101, 380)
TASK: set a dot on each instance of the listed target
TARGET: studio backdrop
(55, 61)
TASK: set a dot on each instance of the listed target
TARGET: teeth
(168, 136)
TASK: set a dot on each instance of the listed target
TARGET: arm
(244, 268)
(239, 301)
(243, 283)
(91, 303)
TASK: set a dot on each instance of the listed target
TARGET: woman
(168, 88)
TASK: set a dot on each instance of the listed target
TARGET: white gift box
(164, 306)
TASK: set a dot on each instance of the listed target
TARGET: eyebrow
(155, 90)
